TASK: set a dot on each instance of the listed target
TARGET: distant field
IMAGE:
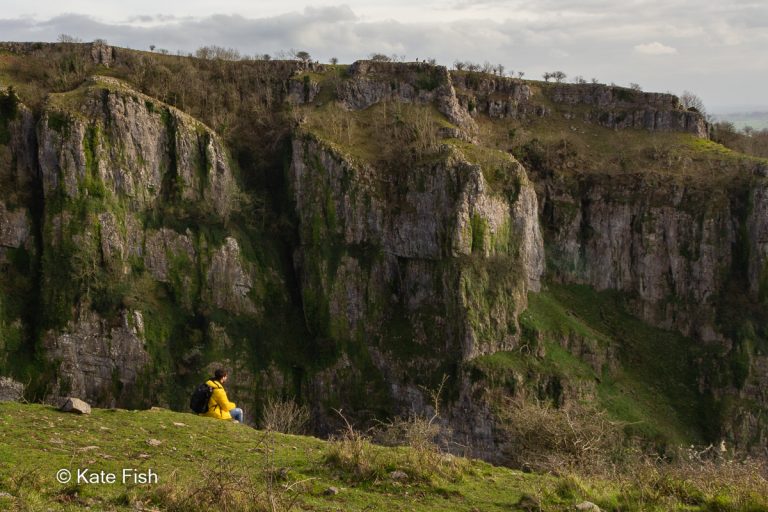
(757, 120)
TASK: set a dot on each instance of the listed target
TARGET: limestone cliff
(370, 246)
(609, 106)
(112, 164)
(348, 235)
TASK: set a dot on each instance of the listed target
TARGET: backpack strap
(216, 385)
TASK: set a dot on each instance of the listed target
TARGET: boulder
(10, 390)
(76, 405)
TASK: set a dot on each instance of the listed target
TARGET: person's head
(220, 375)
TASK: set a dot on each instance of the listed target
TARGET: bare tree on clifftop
(691, 101)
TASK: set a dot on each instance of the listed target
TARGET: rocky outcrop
(621, 108)
(627, 234)
(757, 229)
(98, 360)
(302, 91)
(14, 227)
(498, 97)
(437, 262)
(111, 160)
(371, 82)
(136, 147)
(102, 53)
(609, 106)
(230, 284)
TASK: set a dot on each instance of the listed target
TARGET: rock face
(135, 147)
(647, 239)
(439, 266)
(108, 169)
(99, 361)
(684, 252)
(757, 229)
(498, 97)
(229, 283)
(609, 106)
(373, 82)
(14, 227)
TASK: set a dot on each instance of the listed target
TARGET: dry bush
(285, 416)
(414, 431)
(230, 486)
(427, 439)
(544, 438)
(698, 477)
(352, 452)
(596, 461)
(221, 486)
(404, 134)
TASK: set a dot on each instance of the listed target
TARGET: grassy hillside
(657, 397)
(205, 464)
(196, 455)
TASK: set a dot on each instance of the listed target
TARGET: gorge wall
(388, 231)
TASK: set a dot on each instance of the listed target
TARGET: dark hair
(219, 374)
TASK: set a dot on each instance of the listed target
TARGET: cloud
(655, 48)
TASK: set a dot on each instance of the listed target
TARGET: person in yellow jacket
(219, 405)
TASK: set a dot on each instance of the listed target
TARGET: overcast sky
(717, 49)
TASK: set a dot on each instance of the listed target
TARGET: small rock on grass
(588, 506)
(76, 405)
(154, 442)
(331, 491)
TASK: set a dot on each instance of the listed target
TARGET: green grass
(36, 441)
(660, 391)
(205, 464)
(656, 396)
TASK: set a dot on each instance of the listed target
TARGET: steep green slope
(598, 352)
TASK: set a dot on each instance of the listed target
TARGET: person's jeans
(237, 414)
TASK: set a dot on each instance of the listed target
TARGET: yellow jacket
(219, 405)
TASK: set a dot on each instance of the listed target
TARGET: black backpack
(200, 398)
